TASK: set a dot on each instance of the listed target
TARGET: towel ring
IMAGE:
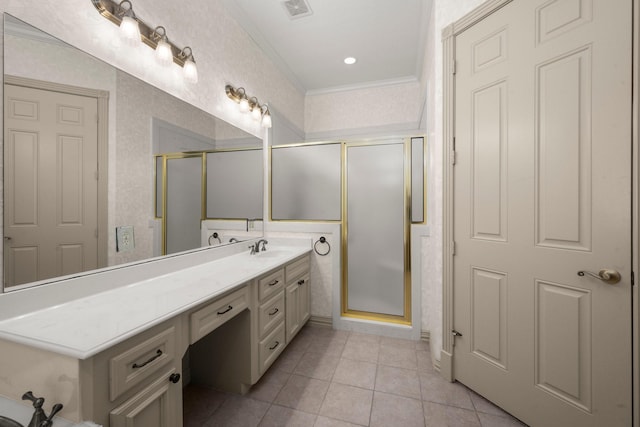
(324, 241)
(215, 236)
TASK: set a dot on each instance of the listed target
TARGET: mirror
(137, 125)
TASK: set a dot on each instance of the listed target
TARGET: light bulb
(266, 120)
(256, 113)
(244, 105)
(190, 71)
(164, 53)
(130, 30)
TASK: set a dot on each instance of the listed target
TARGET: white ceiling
(385, 36)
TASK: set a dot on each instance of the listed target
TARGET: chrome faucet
(264, 245)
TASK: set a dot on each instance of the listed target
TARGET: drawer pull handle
(154, 357)
(275, 282)
(226, 311)
(275, 310)
(174, 378)
(301, 282)
(275, 345)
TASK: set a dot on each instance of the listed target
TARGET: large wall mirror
(82, 141)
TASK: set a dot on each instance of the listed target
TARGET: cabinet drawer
(271, 347)
(136, 364)
(218, 312)
(270, 284)
(297, 268)
(271, 313)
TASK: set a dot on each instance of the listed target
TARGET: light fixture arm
(151, 35)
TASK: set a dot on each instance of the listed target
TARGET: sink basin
(271, 253)
(8, 422)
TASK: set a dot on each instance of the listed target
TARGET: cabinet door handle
(275, 310)
(275, 282)
(226, 311)
(151, 359)
(174, 378)
(275, 345)
(301, 282)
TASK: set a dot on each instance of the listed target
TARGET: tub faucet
(39, 418)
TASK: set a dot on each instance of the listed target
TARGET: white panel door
(50, 184)
(542, 185)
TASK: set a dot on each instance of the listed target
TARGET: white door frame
(448, 43)
(102, 98)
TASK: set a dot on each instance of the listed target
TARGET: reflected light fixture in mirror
(246, 104)
(134, 29)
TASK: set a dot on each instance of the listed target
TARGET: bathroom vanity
(115, 355)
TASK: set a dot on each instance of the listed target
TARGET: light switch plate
(124, 238)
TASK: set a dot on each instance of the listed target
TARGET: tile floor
(328, 378)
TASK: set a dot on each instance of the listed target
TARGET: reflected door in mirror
(51, 184)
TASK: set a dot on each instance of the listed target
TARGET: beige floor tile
(302, 393)
(347, 403)
(364, 338)
(436, 415)
(328, 346)
(330, 422)
(398, 357)
(356, 373)
(392, 410)
(488, 420)
(269, 385)
(403, 382)
(317, 366)
(288, 360)
(361, 350)
(422, 345)
(199, 403)
(437, 389)
(424, 361)
(279, 416)
(398, 343)
(483, 405)
(238, 411)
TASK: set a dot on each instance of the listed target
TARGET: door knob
(608, 276)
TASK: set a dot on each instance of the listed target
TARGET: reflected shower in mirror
(80, 144)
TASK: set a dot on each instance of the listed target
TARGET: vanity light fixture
(129, 24)
(189, 67)
(163, 49)
(246, 104)
(134, 30)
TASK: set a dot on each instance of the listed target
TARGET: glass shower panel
(234, 184)
(184, 204)
(375, 229)
(305, 182)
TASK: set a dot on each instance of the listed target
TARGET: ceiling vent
(297, 8)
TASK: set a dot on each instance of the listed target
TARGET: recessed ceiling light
(350, 60)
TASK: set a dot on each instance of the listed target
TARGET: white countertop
(84, 327)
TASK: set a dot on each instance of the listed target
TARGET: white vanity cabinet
(136, 383)
(116, 358)
(270, 318)
(298, 303)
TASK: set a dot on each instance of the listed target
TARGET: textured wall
(444, 13)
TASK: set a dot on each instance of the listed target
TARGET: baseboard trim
(425, 336)
(324, 321)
